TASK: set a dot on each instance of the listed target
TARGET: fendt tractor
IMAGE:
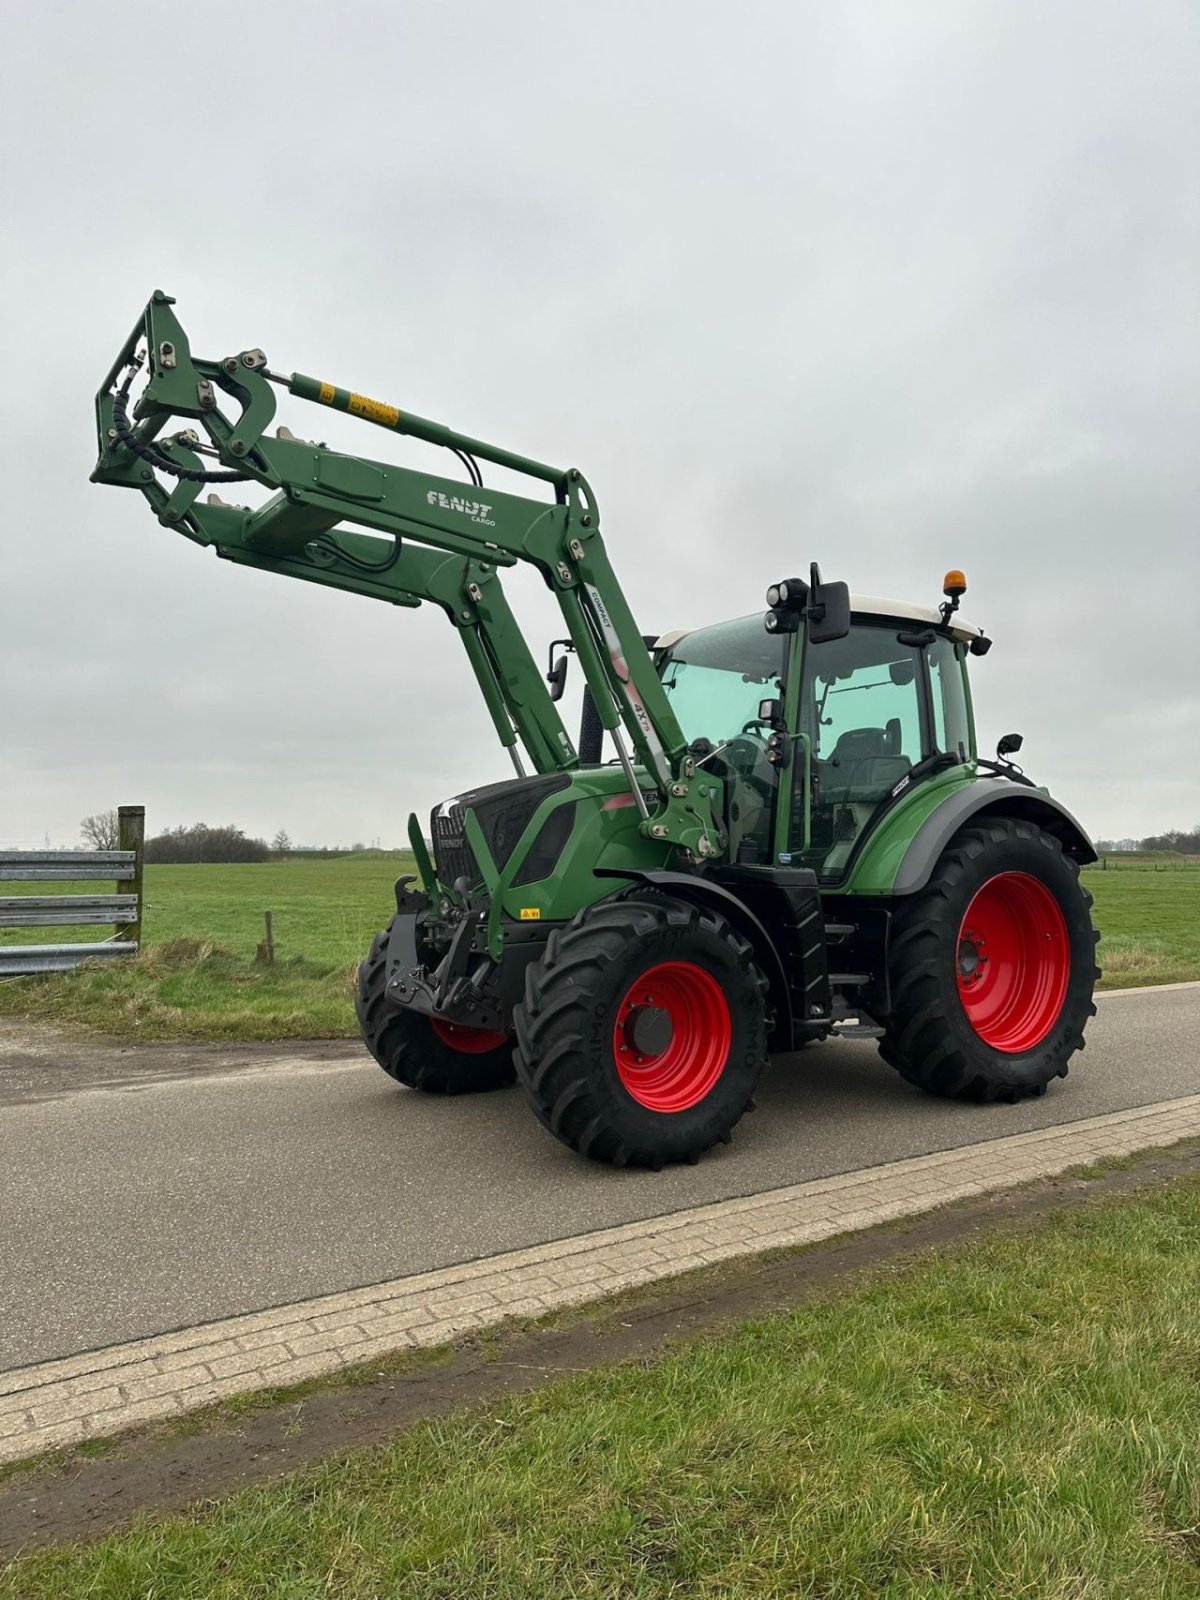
(794, 838)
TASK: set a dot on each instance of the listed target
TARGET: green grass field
(1017, 1419)
(1150, 923)
(198, 977)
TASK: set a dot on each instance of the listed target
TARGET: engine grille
(502, 811)
(451, 853)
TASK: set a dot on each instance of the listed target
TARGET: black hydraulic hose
(331, 547)
(471, 465)
(156, 457)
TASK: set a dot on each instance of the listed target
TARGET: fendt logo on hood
(469, 508)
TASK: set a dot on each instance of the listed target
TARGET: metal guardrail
(122, 910)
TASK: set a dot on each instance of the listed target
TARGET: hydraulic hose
(156, 457)
(331, 547)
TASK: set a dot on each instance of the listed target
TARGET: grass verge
(1013, 1418)
(188, 989)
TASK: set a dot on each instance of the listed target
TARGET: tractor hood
(543, 839)
(503, 811)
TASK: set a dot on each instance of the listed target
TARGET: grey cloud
(893, 287)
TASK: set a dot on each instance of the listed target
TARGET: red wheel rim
(672, 1035)
(1014, 961)
(467, 1041)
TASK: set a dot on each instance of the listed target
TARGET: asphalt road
(150, 1189)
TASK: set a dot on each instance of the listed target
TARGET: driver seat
(865, 765)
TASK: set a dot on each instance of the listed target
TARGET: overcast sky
(895, 287)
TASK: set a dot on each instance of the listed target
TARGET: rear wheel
(426, 1053)
(642, 1032)
(992, 967)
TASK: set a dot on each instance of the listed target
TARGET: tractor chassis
(442, 968)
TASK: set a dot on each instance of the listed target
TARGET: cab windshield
(716, 680)
(716, 677)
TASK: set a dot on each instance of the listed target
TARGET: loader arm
(468, 591)
(443, 542)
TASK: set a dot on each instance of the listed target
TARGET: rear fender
(979, 801)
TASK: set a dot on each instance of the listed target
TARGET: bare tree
(100, 832)
(281, 844)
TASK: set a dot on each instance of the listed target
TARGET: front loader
(795, 837)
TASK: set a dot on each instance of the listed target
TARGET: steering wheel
(746, 756)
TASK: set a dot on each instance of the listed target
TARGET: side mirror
(557, 678)
(1009, 745)
(828, 609)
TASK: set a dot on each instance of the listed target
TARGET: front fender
(703, 892)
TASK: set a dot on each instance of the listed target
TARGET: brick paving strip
(59, 1403)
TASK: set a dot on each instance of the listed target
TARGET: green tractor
(774, 830)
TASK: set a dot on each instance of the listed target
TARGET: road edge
(55, 1404)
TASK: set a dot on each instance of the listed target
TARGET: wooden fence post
(131, 835)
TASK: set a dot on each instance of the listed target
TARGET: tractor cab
(814, 739)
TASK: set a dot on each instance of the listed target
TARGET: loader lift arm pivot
(446, 547)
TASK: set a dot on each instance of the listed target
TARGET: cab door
(862, 723)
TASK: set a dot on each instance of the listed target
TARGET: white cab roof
(873, 605)
(867, 605)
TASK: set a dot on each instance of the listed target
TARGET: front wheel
(642, 1032)
(426, 1053)
(992, 967)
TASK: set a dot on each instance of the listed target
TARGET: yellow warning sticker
(373, 410)
(327, 393)
(530, 914)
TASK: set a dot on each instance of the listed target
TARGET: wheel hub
(466, 1041)
(971, 959)
(647, 1029)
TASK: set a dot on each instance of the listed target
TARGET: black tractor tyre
(409, 1050)
(992, 967)
(673, 992)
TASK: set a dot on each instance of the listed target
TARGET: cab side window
(862, 710)
(951, 724)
